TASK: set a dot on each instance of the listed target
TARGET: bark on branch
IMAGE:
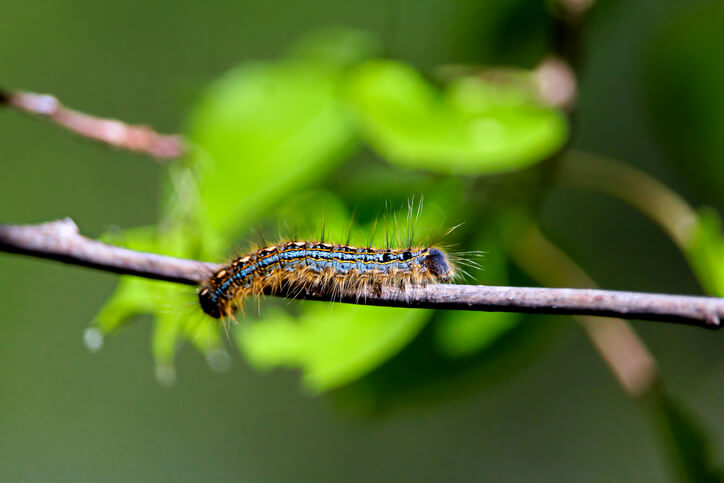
(61, 240)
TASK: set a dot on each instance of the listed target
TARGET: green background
(67, 414)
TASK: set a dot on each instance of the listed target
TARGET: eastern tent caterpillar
(319, 266)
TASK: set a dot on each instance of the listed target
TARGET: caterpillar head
(439, 265)
(210, 303)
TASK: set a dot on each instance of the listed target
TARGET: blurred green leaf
(684, 73)
(321, 209)
(460, 333)
(263, 130)
(176, 317)
(472, 127)
(705, 251)
(133, 296)
(260, 131)
(333, 345)
(421, 374)
(267, 129)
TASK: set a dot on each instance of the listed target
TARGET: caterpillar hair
(304, 266)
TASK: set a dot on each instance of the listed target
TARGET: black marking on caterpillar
(301, 266)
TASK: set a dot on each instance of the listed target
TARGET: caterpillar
(323, 267)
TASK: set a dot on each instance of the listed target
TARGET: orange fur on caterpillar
(301, 266)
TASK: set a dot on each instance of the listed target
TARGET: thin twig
(115, 133)
(61, 240)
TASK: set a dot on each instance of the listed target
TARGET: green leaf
(320, 209)
(461, 333)
(262, 131)
(421, 374)
(332, 345)
(176, 316)
(132, 297)
(705, 251)
(472, 127)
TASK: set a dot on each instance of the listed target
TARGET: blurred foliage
(688, 445)
(174, 319)
(705, 251)
(263, 130)
(428, 371)
(266, 130)
(273, 146)
(473, 127)
(332, 345)
(341, 131)
(684, 73)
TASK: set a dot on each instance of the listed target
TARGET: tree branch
(61, 240)
(115, 133)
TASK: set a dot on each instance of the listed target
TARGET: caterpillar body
(322, 267)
